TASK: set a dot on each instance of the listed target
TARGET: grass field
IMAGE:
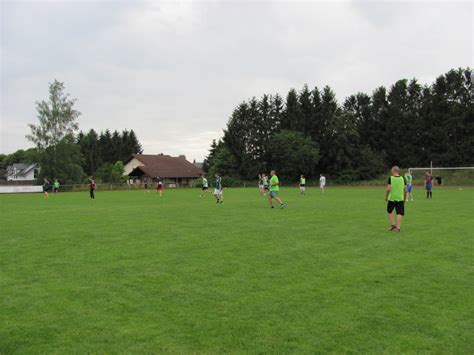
(131, 272)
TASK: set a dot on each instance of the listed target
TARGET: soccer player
(46, 187)
(274, 189)
(145, 184)
(429, 185)
(302, 184)
(92, 187)
(205, 186)
(218, 194)
(396, 196)
(56, 186)
(265, 184)
(159, 187)
(322, 182)
(261, 186)
(409, 181)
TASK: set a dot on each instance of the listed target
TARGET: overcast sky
(174, 71)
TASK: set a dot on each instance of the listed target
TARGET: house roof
(20, 169)
(165, 166)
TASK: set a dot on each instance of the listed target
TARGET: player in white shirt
(205, 186)
(322, 182)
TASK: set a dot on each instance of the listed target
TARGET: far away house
(172, 170)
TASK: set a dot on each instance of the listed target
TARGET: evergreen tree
(291, 119)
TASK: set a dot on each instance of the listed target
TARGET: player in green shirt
(274, 189)
(302, 185)
(55, 186)
(396, 196)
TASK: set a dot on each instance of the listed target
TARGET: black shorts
(204, 188)
(398, 206)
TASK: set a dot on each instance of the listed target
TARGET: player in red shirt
(92, 187)
(159, 187)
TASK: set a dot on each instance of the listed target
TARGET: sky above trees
(174, 71)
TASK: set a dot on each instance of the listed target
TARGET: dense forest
(309, 132)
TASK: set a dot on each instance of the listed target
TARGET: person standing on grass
(261, 186)
(56, 186)
(265, 184)
(429, 185)
(395, 196)
(322, 182)
(92, 187)
(218, 193)
(205, 186)
(159, 187)
(46, 187)
(274, 189)
(302, 185)
(409, 181)
(145, 183)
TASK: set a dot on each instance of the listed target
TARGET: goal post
(450, 176)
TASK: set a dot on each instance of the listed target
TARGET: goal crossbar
(444, 168)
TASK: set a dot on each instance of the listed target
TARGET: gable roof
(165, 166)
(20, 169)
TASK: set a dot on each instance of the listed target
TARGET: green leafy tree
(224, 163)
(62, 161)
(57, 118)
(117, 172)
(293, 154)
(52, 136)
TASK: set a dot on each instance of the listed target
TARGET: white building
(22, 172)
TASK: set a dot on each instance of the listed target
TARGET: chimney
(182, 156)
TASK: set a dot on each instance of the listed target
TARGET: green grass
(130, 272)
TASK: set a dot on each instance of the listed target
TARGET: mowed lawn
(132, 272)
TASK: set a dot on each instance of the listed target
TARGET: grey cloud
(174, 71)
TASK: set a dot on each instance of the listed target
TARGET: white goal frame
(443, 168)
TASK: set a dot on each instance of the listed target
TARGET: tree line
(66, 155)
(309, 132)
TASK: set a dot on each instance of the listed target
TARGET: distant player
(46, 187)
(145, 185)
(92, 187)
(218, 193)
(56, 186)
(396, 196)
(159, 187)
(302, 185)
(266, 183)
(409, 181)
(205, 186)
(274, 189)
(261, 186)
(322, 182)
(429, 185)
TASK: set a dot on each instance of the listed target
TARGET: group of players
(399, 190)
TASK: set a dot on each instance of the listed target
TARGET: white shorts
(260, 187)
(217, 192)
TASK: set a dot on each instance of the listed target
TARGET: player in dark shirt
(429, 185)
(46, 187)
